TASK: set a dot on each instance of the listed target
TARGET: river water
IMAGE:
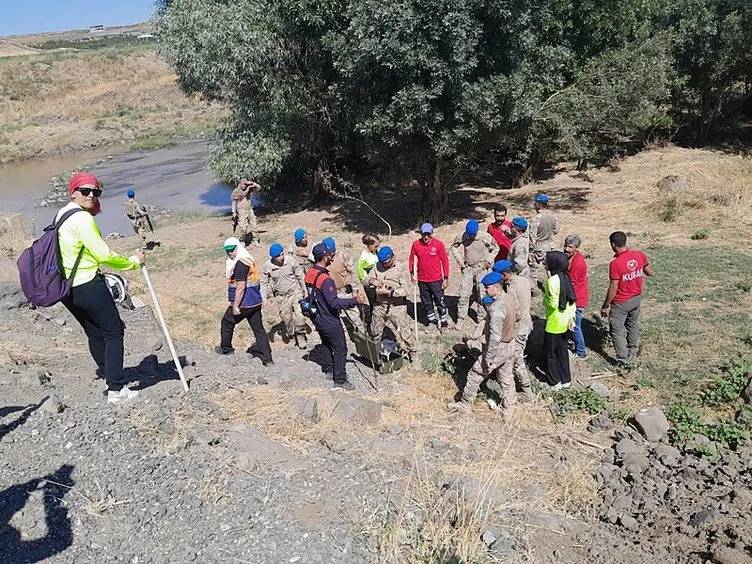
(175, 178)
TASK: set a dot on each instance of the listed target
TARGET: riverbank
(71, 101)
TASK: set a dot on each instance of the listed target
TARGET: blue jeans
(579, 338)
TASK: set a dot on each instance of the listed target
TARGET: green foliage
(687, 421)
(700, 234)
(96, 43)
(728, 387)
(428, 88)
(577, 399)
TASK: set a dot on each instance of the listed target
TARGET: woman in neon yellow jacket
(83, 251)
(560, 302)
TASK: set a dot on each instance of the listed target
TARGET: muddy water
(175, 178)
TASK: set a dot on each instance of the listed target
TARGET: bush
(700, 234)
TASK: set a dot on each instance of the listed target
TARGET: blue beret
(491, 278)
(520, 222)
(131, 192)
(471, 228)
(330, 244)
(542, 198)
(299, 234)
(385, 253)
(502, 266)
(320, 251)
(275, 250)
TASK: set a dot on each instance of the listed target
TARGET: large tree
(433, 86)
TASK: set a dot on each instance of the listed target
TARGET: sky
(20, 17)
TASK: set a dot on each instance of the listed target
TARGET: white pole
(415, 306)
(165, 331)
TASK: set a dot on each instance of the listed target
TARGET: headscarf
(82, 178)
(558, 265)
(243, 256)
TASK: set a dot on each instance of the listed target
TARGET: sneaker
(124, 394)
(566, 386)
(493, 405)
(460, 407)
(268, 363)
(346, 385)
(583, 356)
(556, 387)
(220, 350)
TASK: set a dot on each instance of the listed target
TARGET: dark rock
(652, 423)
(747, 392)
(701, 517)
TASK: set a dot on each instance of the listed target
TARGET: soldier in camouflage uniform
(242, 211)
(541, 231)
(137, 215)
(519, 288)
(301, 251)
(390, 281)
(283, 279)
(520, 250)
(496, 338)
(474, 254)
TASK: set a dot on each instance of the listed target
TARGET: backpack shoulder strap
(65, 216)
(59, 224)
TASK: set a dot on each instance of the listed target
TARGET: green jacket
(557, 321)
(80, 230)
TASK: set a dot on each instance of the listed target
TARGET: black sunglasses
(86, 191)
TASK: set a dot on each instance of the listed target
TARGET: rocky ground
(270, 465)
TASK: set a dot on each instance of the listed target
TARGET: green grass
(694, 319)
(112, 41)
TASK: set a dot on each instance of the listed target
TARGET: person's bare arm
(610, 295)
(648, 270)
(239, 293)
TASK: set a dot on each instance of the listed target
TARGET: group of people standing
(499, 276)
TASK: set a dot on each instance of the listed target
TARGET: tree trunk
(434, 201)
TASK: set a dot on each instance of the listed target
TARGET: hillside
(270, 465)
(69, 100)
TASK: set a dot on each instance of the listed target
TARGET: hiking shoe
(268, 363)
(220, 350)
(124, 394)
(556, 387)
(346, 385)
(583, 356)
(460, 407)
(566, 386)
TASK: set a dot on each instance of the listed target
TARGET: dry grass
(58, 103)
(14, 235)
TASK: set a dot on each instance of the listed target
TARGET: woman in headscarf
(560, 302)
(244, 295)
(83, 252)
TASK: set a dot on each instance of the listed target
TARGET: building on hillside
(96, 29)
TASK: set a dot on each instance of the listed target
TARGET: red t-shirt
(504, 242)
(433, 262)
(627, 267)
(578, 274)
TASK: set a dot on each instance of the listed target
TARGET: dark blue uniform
(327, 321)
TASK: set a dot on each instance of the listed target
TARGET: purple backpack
(41, 270)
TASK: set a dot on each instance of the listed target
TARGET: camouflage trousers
(291, 315)
(501, 365)
(470, 289)
(140, 227)
(397, 319)
(246, 223)
(519, 367)
(537, 262)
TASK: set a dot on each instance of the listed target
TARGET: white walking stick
(415, 306)
(165, 331)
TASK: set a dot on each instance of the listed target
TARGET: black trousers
(432, 293)
(93, 307)
(261, 347)
(333, 338)
(557, 358)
